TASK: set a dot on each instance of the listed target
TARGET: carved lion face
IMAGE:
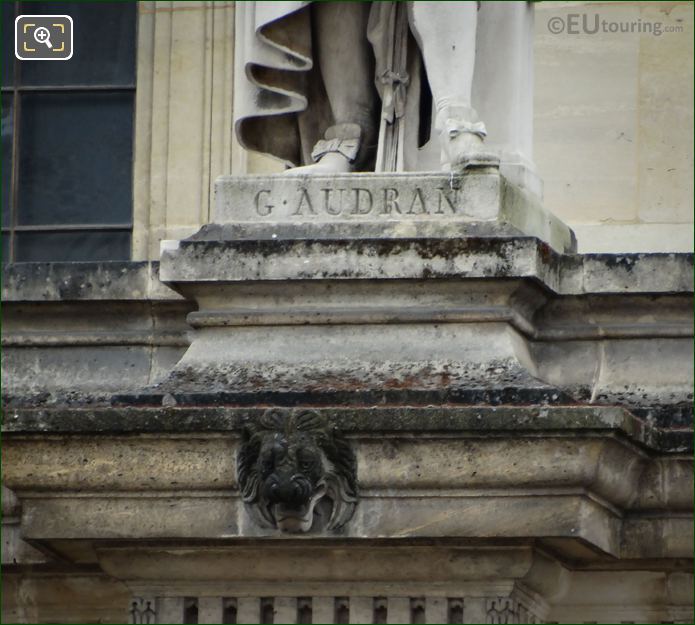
(296, 472)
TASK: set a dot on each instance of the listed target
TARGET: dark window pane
(72, 246)
(103, 45)
(5, 247)
(75, 158)
(7, 43)
(6, 157)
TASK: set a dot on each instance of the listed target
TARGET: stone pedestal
(474, 396)
(347, 289)
(478, 202)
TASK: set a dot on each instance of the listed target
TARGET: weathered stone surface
(75, 336)
(41, 282)
(636, 596)
(401, 200)
(329, 563)
(80, 356)
(59, 597)
(231, 254)
(428, 320)
(70, 343)
(128, 464)
(541, 473)
(474, 196)
(482, 419)
(14, 549)
(355, 363)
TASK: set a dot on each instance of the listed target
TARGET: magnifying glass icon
(43, 35)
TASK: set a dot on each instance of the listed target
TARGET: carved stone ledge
(580, 479)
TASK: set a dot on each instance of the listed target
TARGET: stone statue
(334, 87)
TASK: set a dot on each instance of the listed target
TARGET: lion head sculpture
(296, 472)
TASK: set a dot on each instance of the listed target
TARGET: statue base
(348, 288)
(477, 202)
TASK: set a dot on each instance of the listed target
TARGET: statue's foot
(335, 153)
(458, 149)
(463, 150)
(461, 137)
(330, 163)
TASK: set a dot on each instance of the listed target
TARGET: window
(67, 138)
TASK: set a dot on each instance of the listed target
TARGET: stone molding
(608, 421)
(454, 316)
(469, 473)
(585, 343)
(236, 254)
(122, 281)
(462, 584)
(332, 609)
(369, 584)
(586, 274)
(183, 123)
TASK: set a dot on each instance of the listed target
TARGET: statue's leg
(343, 54)
(445, 32)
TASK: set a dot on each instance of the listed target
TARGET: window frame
(16, 90)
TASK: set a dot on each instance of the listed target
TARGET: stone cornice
(559, 474)
(563, 273)
(358, 421)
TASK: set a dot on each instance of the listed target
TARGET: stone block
(401, 201)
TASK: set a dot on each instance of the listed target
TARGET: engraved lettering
(417, 199)
(304, 199)
(266, 209)
(331, 210)
(390, 202)
(360, 207)
(448, 200)
(312, 201)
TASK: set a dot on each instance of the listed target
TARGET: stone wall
(614, 123)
